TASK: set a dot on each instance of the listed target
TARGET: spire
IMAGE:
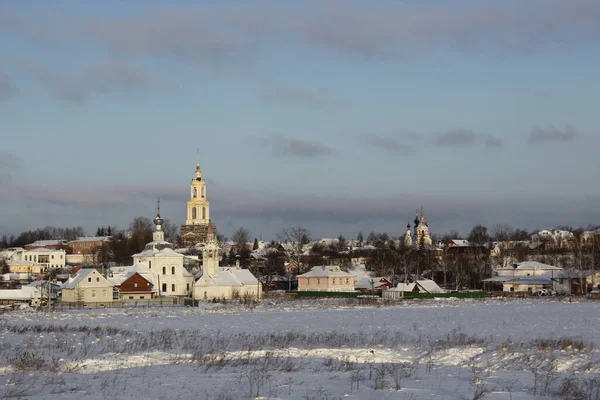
(198, 173)
(158, 235)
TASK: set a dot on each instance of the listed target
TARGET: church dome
(158, 220)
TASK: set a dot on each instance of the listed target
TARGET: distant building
(421, 237)
(88, 245)
(215, 282)
(327, 279)
(88, 286)
(198, 227)
(526, 276)
(48, 244)
(419, 286)
(49, 258)
(170, 277)
(26, 267)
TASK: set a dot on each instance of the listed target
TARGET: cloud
(7, 88)
(551, 134)
(289, 147)
(388, 144)
(236, 33)
(466, 137)
(319, 99)
(77, 86)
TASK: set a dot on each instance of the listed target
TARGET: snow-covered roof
(155, 249)
(404, 287)
(84, 239)
(364, 282)
(43, 250)
(231, 276)
(24, 293)
(530, 265)
(81, 275)
(460, 243)
(24, 262)
(530, 280)
(430, 286)
(48, 242)
(121, 274)
(325, 270)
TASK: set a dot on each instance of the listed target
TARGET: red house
(136, 287)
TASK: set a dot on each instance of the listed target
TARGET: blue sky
(338, 116)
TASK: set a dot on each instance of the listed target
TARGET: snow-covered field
(307, 349)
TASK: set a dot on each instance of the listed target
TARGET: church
(170, 278)
(421, 236)
(198, 227)
(215, 282)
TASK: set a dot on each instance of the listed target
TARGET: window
(53, 256)
(135, 284)
(307, 281)
(203, 212)
(318, 281)
(195, 192)
(130, 297)
(193, 212)
(164, 287)
(89, 279)
(172, 270)
(333, 281)
(104, 293)
(164, 270)
(149, 264)
(141, 297)
(61, 256)
(172, 287)
(202, 192)
(97, 279)
(187, 287)
(93, 293)
(347, 280)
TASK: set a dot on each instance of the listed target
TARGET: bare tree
(479, 235)
(171, 231)
(502, 232)
(295, 238)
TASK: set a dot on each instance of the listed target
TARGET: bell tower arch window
(203, 212)
(195, 194)
(193, 212)
(202, 192)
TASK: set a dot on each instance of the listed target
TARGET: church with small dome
(170, 276)
(421, 237)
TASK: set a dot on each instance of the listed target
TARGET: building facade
(88, 286)
(170, 276)
(197, 228)
(49, 258)
(217, 282)
(326, 279)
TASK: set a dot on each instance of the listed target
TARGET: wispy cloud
(466, 137)
(551, 134)
(388, 144)
(77, 86)
(238, 32)
(319, 99)
(290, 147)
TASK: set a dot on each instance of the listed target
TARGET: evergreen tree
(255, 246)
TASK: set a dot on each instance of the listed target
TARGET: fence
(316, 293)
(157, 302)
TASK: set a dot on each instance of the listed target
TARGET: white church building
(170, 276)
(215, 282)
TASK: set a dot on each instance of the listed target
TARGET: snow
(298, 349)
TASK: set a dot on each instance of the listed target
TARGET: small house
(327, 279)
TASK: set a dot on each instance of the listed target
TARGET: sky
(337, 116)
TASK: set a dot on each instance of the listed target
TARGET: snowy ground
(307, 349)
